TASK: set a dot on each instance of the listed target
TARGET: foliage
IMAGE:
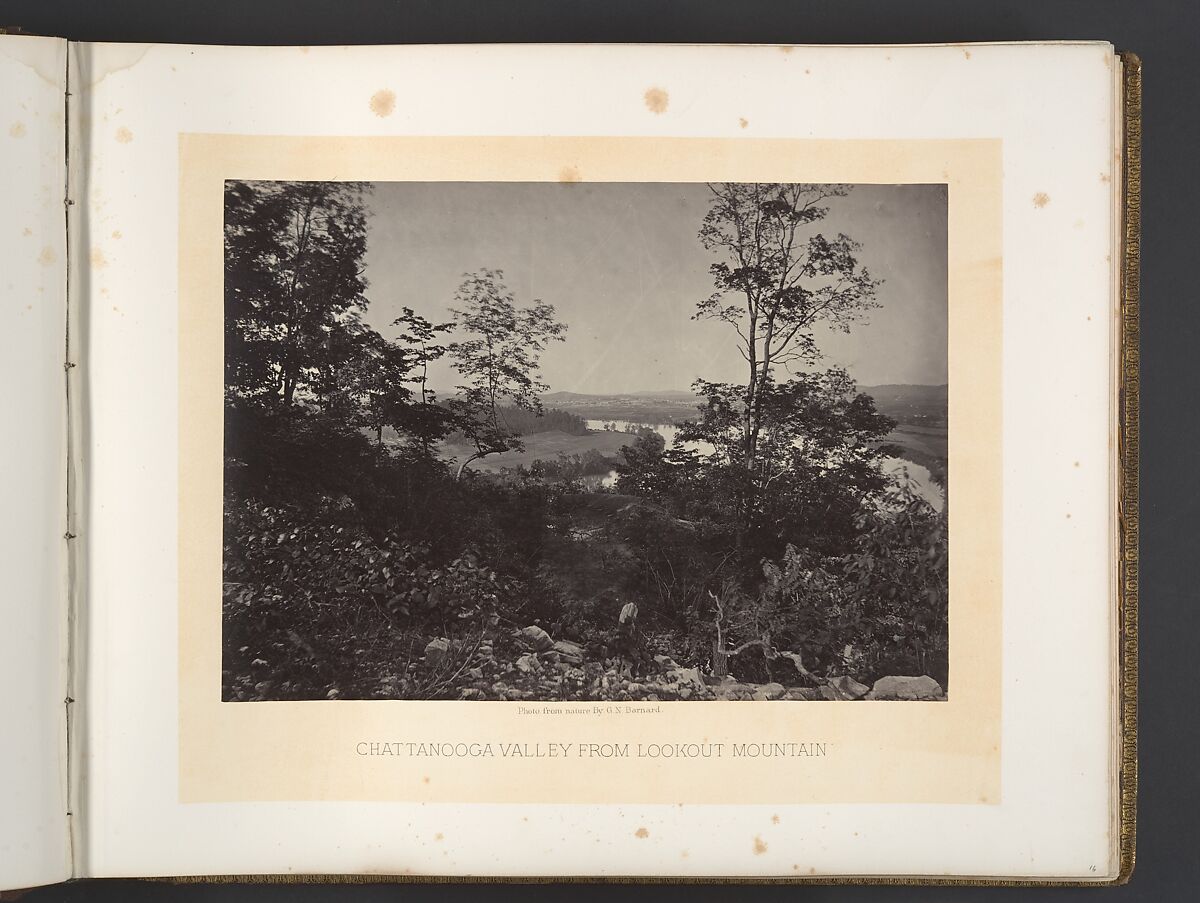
(524, 422)
(293, 280)
(899, 577)
(572, 467)
(786, 279)
(498, 359)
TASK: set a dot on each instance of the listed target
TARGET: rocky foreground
(539, 667)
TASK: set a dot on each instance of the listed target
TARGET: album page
(34, 835)
(600, 460)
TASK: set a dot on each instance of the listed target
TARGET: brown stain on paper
(657, 100)
(383, 103)
(1041, 199)
(124, 136)
(570, 174)
(642, 833)
(47, 257)
(759, 846)
(743, 121)
(98, 259)
(17, 130)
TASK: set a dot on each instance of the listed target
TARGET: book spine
(74, 367)
(1128, 457)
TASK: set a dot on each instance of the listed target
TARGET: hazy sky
(624, 268)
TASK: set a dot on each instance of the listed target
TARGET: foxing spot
(383, 102)
(656, 100)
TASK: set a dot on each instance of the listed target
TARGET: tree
(816, 460)
(499, 361)
(786, 282)
(423, 419)
(293, 279)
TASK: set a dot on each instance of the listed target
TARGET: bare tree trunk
(463, 465)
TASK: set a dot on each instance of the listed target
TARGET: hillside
(916, 405)
(911, 404)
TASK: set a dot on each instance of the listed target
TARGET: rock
(665, 661)
(537, 639)
(687, 677)
(803, 694)
(437, 650)
(470, 693)
(514, 694)
(475, 673)
(571, 653)
(848, 687)
(908, 688)
(528, 663)
(769, 691)
(685, 693)
(728, 690)
(829, 693)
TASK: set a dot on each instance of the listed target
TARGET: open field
(543, 447)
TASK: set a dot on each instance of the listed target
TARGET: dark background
(1164, 33)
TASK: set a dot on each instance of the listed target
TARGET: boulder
(475, 673)
(665, 661)
(437, 650)
(908, 688)
(536, 638)
(687, 677)
(803, 694)
(528, 663)
(769, 691)
(729, 690)
(571, 653)
(848, 687)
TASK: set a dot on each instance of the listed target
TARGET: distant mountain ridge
(906, 393)
(915, 404)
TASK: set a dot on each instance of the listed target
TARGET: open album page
(34, 835)
(600, 460)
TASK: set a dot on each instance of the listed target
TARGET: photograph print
(507, 441)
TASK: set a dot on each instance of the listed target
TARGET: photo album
(569, 462)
